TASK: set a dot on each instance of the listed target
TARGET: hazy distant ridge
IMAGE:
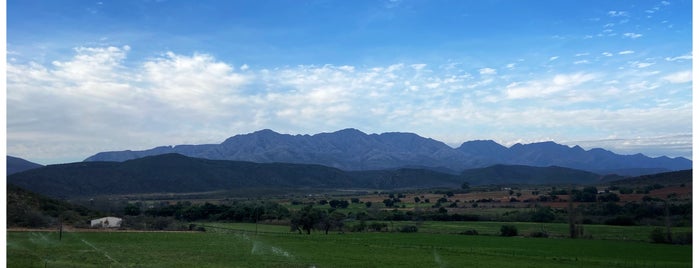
(351, 149)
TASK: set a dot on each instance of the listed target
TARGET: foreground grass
(277, 248)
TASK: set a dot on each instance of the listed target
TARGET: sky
(91, 76)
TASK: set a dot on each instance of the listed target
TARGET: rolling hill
(174, 173)
(517, 174)
(16, 164)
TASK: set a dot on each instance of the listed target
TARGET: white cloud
(553, 58)
(418, 66)
(633, 35)
(196, 83)
(679, 77)
(546, 87)
(641, 65)
(615, 13)
(607, 54)
(626, 52)
(93, 97)
(581, 62)
(687, 56)
(487, 71)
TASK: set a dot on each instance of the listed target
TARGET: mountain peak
(265, 131)
(349, 131)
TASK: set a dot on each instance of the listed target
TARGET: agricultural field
(368, 228)
(250, 245)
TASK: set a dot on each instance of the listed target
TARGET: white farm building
(106, 222)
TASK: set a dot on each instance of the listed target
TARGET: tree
(588, 194)
(331, 220)
(132, 210)
(338, 203)
(543, 214)
(388, 202)
(306, 219)
(608, 197)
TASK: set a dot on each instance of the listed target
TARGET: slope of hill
(16, 164)
(665, 178)
(351, 149)
(174, 173)
(517, 174)
(28, 209)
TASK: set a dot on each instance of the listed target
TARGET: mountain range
(351, 149)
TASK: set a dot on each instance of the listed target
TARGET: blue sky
(91, 76)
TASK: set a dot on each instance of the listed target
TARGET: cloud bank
(98, 101)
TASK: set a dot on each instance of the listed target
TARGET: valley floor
(248, 245)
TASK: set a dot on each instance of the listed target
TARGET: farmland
(368, 228)
(275, 246)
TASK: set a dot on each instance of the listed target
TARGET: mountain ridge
(176, 173)
(352, 149)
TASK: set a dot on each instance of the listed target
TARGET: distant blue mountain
(351, 149)
(16, 165)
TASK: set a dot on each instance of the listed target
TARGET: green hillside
(517, 174)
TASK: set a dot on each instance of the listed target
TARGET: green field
(275, 246)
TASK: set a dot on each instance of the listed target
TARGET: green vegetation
(516, 226)
(275, 246)
(27, 209)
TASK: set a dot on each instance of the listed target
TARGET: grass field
(274, 246)
(555, 230)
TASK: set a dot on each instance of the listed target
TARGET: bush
(377, 226)
(682, 238)
(543, 214)
(539, 234)
(658, 235)
(620, 221)
(408, 229)
(508, 230)
(469, 232)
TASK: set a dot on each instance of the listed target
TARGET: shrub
(508, 230)
(408, 229)
(658, 235)
(541, 234)
(620, 221)
(469, 232)
(682, 238)
(377, 226)
(543, 214)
